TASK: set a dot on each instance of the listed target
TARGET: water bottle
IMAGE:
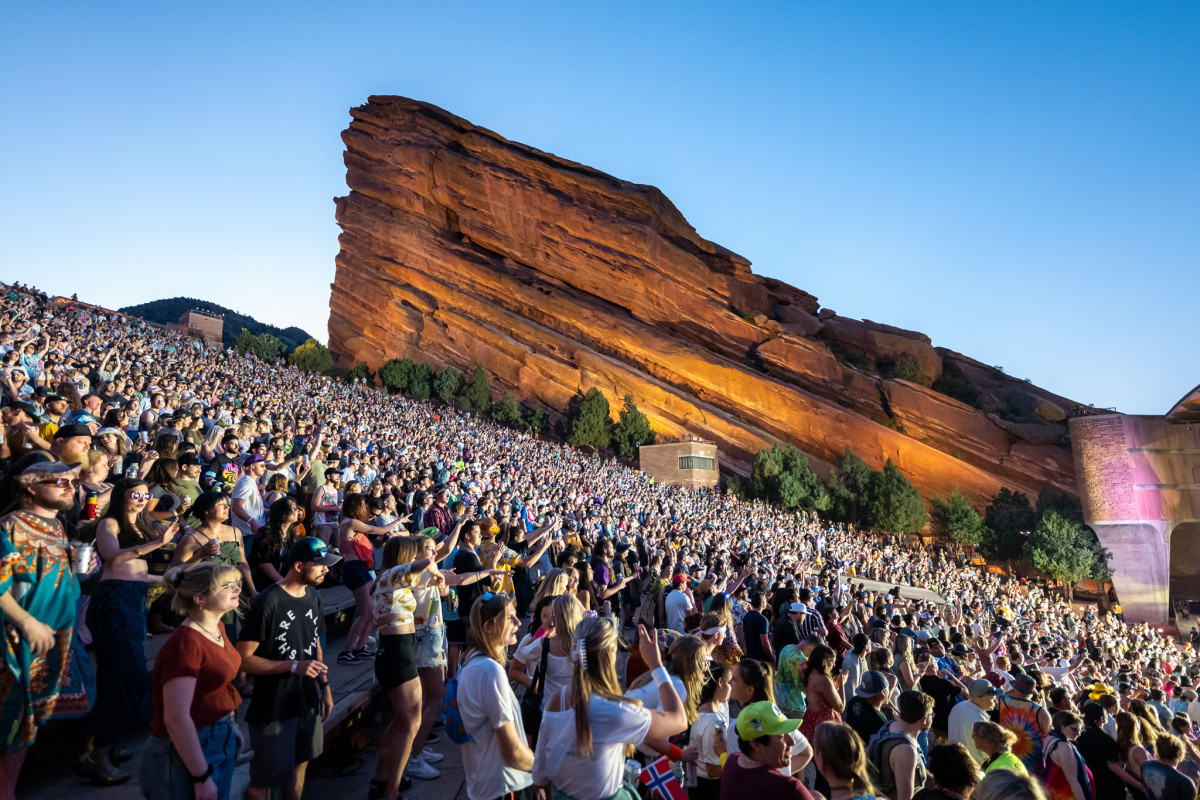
(689, 775)
(633, 771)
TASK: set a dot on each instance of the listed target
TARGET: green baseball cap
(764, 719)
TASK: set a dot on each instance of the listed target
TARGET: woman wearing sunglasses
(193, 750)
(117, 619)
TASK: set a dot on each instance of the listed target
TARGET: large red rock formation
(461, 247)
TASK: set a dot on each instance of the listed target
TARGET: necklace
(214, 635)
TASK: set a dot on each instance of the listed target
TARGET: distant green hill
(169, 311)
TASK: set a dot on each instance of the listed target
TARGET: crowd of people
(580, 631)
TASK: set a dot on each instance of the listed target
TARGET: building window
(696, 462)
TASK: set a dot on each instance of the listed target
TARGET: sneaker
(347, 658)
(417, 768)
(363, 652)
(431, 756)
(433, 738)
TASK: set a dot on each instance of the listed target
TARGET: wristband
(722, 757)
(293, 669)
(203, 776)
(676, 754)
(660, 677)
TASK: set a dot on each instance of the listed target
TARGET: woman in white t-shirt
(497, 760)
(581, 746)
(566, 612)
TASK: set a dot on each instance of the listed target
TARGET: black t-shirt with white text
(287, 629)
(467, 561)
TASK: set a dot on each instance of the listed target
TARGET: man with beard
(41, 645)
(281, 645)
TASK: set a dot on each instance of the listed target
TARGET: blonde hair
(402, 550)
(483, 634)
(1004, 784)
(554, 584)
(599, 677)
(567, 613)
(688, 662)
(189, 582)
(999, 738)
(843, 755)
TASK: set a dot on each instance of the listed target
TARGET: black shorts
(456, 632)
(281, 746)
(396, 660)
(355, 574)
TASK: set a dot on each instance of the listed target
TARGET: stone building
(203, 325)
(681, 462)
(1139, 480)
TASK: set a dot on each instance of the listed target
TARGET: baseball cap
(1093, 713)
(253, 458)
(764, 719)
(873, 682)
(68, 431)
(53, 398)
(983, 688)
(797, 608)
(188, 459)
(311, 549)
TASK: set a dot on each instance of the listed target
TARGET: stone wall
(662, 462)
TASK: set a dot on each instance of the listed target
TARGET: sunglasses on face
(139, 495)
(61, 483)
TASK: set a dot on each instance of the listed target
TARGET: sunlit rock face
(461, 247)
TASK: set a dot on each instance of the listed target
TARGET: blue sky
(1019, 181)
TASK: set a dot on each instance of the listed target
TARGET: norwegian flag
(659, 777)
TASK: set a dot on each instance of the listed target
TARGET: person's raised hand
(648, 647)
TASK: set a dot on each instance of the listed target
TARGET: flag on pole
(661, 778)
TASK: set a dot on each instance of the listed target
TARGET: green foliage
(954, 383)
(737, 486)
(169, 310)
(908, 368)
(1065, 506)
(396, 374)
(312, 357)
(506, 411)
(588, 422)
(1005, 521)
(849, 356)
(1060, 548)
(782, 475)
(631, 431)
(955, 519)
(265, 346)
(476, 395)
(894, 505)
(361, 372)
(850, 486)
(448, 384)
(748, 315)
(421, 384)
(535, 419)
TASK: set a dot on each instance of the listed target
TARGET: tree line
(1049, 533)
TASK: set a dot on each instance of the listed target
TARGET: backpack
(452, 719)
(879, 753)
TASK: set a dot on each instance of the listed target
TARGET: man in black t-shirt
(1163, 781)
(942, 686)
(466, 560)
(281, 645)
(1100, 753)
(756, 630)
(863, 712)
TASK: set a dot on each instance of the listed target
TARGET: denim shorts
(164, 775)
(356, 573)
(431, 647)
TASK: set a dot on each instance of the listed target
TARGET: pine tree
(507, 411)
(895, 506)
(850, 486)
(631, 431)
(588, 422)
(448, 384)
(476, 395)
(955, 519)
(1007, 522)
(396, 374)
(421, 384)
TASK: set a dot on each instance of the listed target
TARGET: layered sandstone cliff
(461, 247)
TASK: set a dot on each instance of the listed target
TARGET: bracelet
(203, 776)
(660, 677)
(676, 754)
(294, 665)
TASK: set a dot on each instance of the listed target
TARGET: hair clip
(581, 651)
